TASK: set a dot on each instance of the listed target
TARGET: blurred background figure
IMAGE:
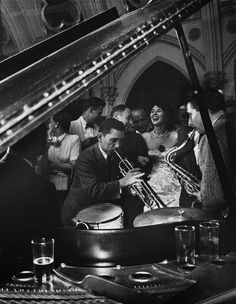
(87, 124)
(140, 120)
(63, 151)
(159, 141)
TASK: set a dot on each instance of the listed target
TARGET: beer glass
(43, 259)
(185, 245)
(209, 239)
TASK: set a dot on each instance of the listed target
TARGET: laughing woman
(159, 141)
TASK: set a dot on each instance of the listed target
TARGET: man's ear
(99, 136)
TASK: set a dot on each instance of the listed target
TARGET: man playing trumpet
(97, 177)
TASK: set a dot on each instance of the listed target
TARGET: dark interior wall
(159, 84)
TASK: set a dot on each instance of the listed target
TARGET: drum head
(99, 213)
(170, 215)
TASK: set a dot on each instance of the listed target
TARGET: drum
(100, 216)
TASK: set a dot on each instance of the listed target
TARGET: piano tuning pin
(163, 26)
(2, 122)
(45, 94)
(94, 62)
(50, 104)
(67, 92)
(135, 46)
(84, 82)
(98, 71)
(112, 62)
(31, 117)
(120, 46)
(63, 82)
(25, 108)
(108, 54)
(9, 132)
(81, 72)
(123, 54)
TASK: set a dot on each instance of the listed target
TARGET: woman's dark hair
(214, 100)
(63, 119)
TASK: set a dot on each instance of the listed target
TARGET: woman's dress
(162, 178)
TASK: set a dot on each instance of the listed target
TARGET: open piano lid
(31, 96)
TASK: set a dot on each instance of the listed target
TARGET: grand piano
(32, 94)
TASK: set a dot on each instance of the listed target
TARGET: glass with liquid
(185, 245)
(43, 259)
(209, 239)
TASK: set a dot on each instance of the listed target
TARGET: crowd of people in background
(77, 168)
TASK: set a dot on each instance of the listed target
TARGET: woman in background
(63, 152)
(159, 141)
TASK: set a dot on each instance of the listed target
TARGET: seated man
(95, 179)
(26, 198)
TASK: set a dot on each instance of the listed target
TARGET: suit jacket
(26, 198)
(94, 182)
(134, 145)
(211, 193)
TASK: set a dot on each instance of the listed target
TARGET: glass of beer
(43, 259)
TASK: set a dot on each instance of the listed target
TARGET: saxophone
(187, 180)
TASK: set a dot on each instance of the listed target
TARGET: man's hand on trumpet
(132, 176)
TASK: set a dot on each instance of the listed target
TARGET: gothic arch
(164, 50)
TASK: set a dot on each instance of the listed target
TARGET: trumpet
(143, 190)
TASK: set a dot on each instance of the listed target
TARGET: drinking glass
(43, 259)
(185, 245)
(209, 239)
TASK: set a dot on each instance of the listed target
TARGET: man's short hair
(63, 118)
(93, 102)
(111, 123)
(141, 111)
(214, 100)
(119, 109)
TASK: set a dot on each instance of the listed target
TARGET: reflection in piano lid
(33, 95)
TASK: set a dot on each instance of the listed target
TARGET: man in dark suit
(134, 146)
(25, 197)
(96, 180)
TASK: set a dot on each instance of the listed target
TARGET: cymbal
(170, 215)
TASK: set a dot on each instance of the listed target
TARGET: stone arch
(164, 50)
